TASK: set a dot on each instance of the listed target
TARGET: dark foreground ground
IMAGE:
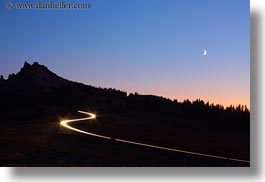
(45, 143)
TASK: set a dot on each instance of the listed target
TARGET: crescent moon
(205, 52)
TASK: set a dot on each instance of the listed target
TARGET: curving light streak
(65, 123)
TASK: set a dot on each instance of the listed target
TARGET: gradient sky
(148, 46)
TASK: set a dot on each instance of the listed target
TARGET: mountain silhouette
(38, 75)
(36, 88)
(36, 91)
(34, 100)
(38, 78)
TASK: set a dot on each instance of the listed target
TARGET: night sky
(145, 46)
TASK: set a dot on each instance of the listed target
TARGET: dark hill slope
(35, 91)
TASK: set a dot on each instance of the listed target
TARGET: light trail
(65, 123)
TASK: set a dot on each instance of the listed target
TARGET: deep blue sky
(148, 46)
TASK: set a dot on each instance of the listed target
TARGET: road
(91, 116)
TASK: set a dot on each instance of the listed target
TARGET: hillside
(35, 91)
(34, 100)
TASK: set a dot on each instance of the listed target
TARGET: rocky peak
(40, 75)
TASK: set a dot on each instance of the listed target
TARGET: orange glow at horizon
(225, 99)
